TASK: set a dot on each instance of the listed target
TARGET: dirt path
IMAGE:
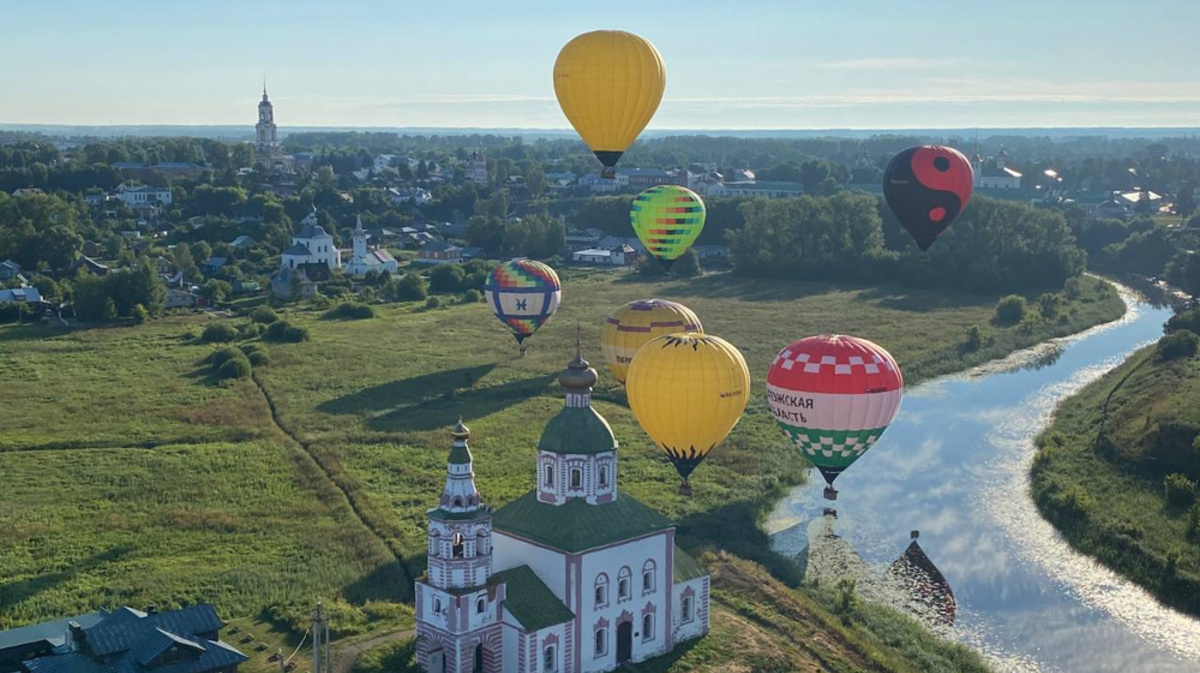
(345, 657)
(351, 498)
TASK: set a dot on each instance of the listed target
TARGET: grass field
(132, 477)
(1107, 493)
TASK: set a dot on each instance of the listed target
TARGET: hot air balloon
(833, 396)
(609, 83)
(687, 391)
(667, 220)
(927, 187)
(634, 324)
(523, 294)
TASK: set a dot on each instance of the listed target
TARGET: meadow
(1106, 492)
(130, 476)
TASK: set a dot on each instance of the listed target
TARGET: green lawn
(213, 502)
(1106, 493)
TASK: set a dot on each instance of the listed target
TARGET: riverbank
(1116, 473)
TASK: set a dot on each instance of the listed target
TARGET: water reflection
(954, 465)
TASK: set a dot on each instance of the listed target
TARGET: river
(955, 466)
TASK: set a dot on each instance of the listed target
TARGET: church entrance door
(478, 659)
(624, 642)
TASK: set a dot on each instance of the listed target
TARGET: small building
(27, 191)
(711, 252)
(770, 189)
(622, 255)
(440, 252)
(476, 169)
(9, 269)
(38, 640)
(143, 195)
(133, 641)
(179, 299)
(415, 195)
(582, 240)
(293, 283)
(214, 265)
(21, 295)
(996, 174)
(88, 264)
(243, 241)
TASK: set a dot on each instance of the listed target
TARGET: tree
(214, 291)
(109, 313)
(687, 265)
(409, 287)
(184, 262)
(535, 181)
(446, 278)
(89, 297)
(59, 246)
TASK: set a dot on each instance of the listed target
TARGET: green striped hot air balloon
(668, 220)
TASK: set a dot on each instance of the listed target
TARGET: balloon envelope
(667, 220)
(609, 84)
(833, 396)
(927, 187)
(687, 391)
(636, 323)
(523, 294)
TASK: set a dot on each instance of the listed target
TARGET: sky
(796, 64)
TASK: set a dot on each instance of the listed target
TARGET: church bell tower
(266, 139)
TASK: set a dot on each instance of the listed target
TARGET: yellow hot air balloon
(687, 391)
(609, 83)
(635, 323)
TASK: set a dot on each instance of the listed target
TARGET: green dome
(577, 430)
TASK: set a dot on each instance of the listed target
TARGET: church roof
(312, 231)
(577, 430)
(687, 568)
(529, 600)
(577, 526)
(298, 249)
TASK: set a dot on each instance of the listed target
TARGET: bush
(409, 287)
(446, 278)
(1181, 491)
(222, 355)
(250, 330)
(1188, 320)
(219, 332)
(237, 367)
(1181, 344)
(472, 297)
(1049, 305)
(1010, 310)
(687, 266)
(140, 314)
(433, 302)
(264, 315)
(974, 340)
(258, 356)
(281, 331)
(351, 311)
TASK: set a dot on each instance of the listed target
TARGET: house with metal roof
(124, 641)
(572, 577)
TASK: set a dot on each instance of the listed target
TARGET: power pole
(322, 661)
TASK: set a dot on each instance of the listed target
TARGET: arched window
(457, 501)
(648, 576)
(549, 475)
(576, 478)
(456, 546)
(648, 626)
(603, 475)
(686, 609)
(623, 581)
(601, 642)
(481, 606)
(548, 659)
(437, 606)
(601, 590)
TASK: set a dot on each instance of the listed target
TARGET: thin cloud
(891, 63)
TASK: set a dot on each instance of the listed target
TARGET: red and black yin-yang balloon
(927, 187)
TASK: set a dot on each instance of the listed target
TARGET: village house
(143, 195)
(126, 640)
(9, 269)
(440, 252)
(621, 255)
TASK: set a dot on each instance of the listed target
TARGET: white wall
(699, 624)
(549, 566)
(610, 561)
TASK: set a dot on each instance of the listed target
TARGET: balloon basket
(608, 173)
(523, 348)
(685, 488)
(830, 511)
(830, 493)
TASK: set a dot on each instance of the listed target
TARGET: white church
(312, 245)
(365, 260)
(572, 577)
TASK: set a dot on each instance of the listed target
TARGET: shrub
(433, 302)
(409, 287)
(1049, 305)
(264, 315)
(237, 367)
(140, 314)
(284, 332)
(1188, 320)
(1010, 310)
(472, 297)
(351, 311)
(1181, 344)
(446, 278)
(1180, 491)
(258, 356)
(218, 332)
(974, 340)
(687, 265)
(222, 355)
(1193, 528)
(250, 330)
